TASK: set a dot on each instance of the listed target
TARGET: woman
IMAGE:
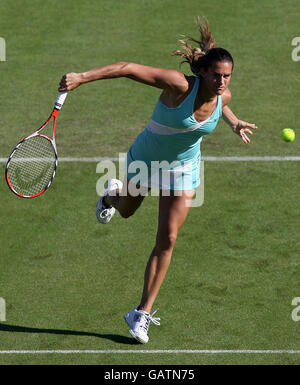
(188, 108)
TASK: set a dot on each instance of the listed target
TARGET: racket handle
(60, 100)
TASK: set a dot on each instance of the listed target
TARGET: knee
(166, 241)
(125, 213)
(128, 205)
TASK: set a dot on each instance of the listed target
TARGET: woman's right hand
(70, 81)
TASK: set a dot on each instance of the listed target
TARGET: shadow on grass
(24, 329)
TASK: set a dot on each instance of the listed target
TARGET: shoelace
(150, 318)
(105, 213)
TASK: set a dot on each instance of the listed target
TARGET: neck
(204, 94)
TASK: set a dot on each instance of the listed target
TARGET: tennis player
(188, 108)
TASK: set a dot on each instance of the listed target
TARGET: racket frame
(58, 104)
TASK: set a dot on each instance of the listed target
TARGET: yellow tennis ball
(288, 134)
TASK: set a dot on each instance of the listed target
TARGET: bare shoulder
(226, 96)
(182, 86)
(167, 79)
(183, 82)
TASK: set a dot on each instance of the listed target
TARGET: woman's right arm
(169, 80)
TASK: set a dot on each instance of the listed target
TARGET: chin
(220, 91)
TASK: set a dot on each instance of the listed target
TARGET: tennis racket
(32, 164)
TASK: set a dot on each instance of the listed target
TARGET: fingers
(69, 82)
(62, 84)
(244, 136)
(251, 125)
(244, 129)
(248, 131)
(243, 124)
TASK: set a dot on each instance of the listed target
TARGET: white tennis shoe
(105, 213)
(139, 321)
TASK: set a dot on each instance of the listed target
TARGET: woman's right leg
(128, 200)
(173, 211)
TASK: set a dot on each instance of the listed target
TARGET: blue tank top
(174, 133)
(179, 117)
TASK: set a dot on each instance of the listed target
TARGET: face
(217, 77)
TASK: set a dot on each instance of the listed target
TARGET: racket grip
(60, 100)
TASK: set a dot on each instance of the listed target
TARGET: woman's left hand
(244, 128)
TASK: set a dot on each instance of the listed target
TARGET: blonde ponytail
(194, 56)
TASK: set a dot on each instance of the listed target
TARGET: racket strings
(32, 166)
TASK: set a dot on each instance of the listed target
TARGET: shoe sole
(133, 334)
(136, 337)
(98, 211)
(119, 186)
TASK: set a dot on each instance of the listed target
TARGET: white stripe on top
(161, 129)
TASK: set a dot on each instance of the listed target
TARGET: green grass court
(67, 280)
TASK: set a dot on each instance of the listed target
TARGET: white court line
(149, 351)
(205, 158)
(250, 158)
(208, 159)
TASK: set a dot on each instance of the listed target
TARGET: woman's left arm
(240, 127)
